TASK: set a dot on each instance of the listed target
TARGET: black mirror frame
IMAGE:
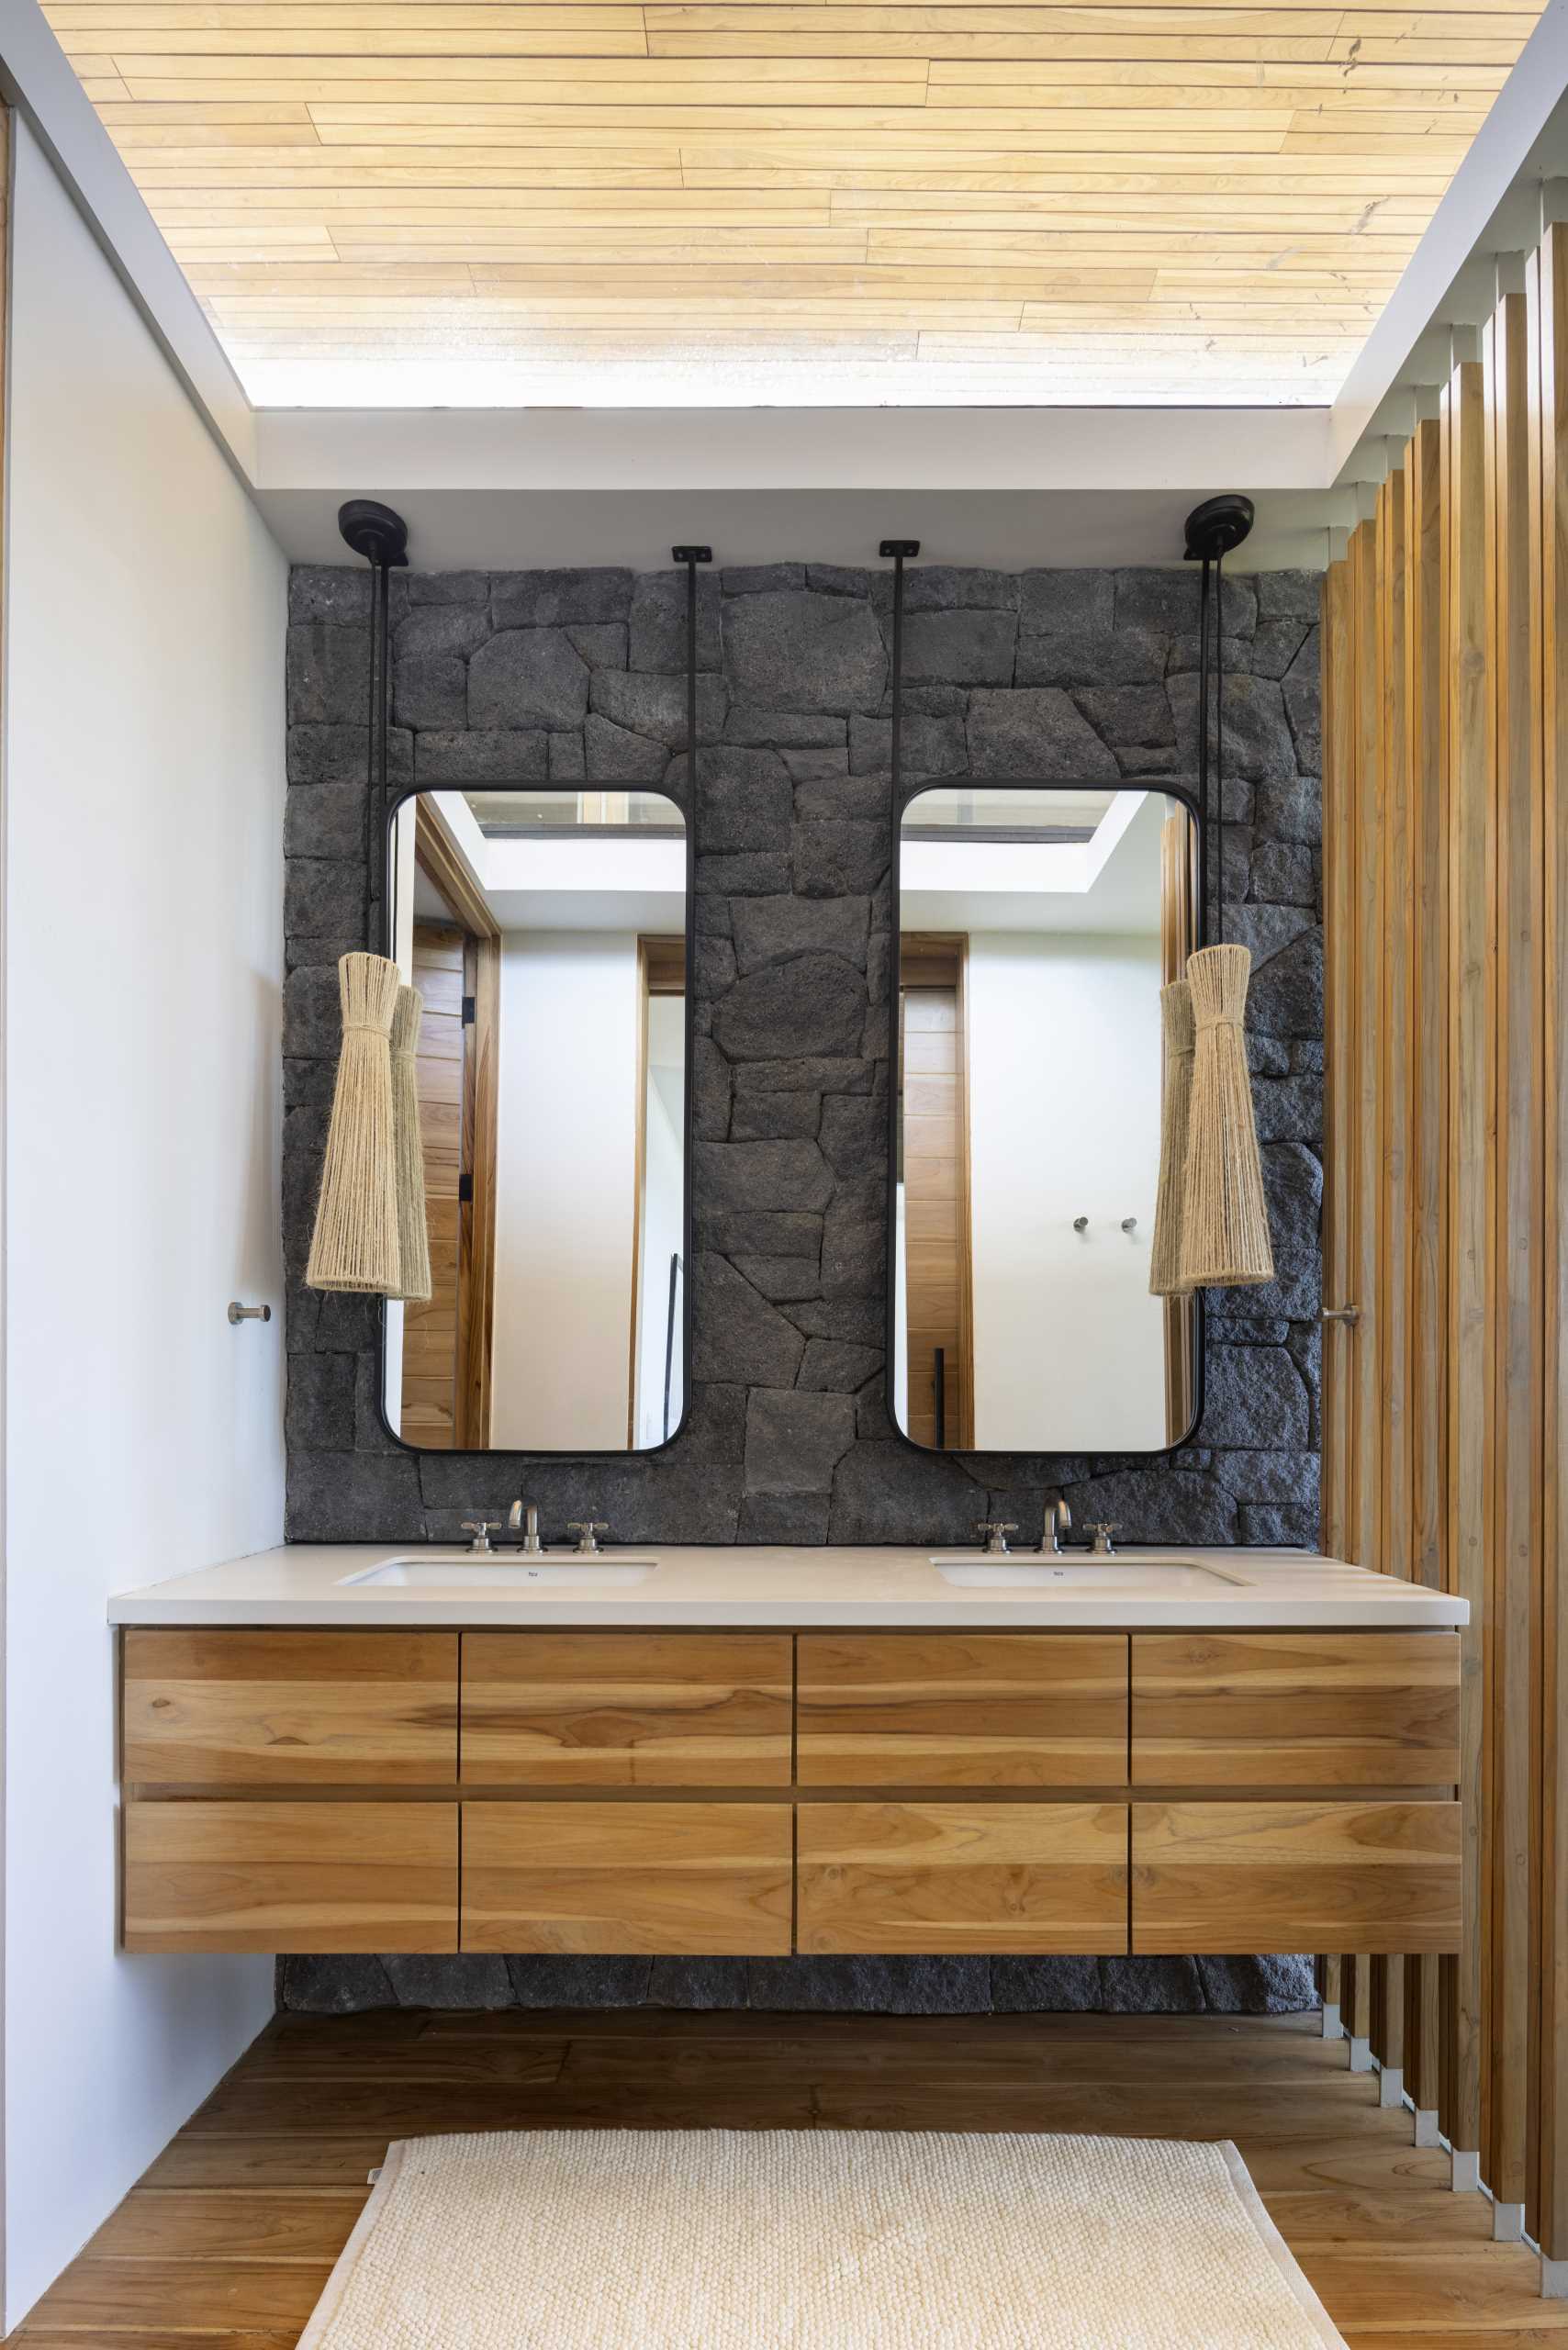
(900, 797)
(647, 1452)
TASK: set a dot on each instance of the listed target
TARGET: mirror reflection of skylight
(1065, 814)
(515, 815)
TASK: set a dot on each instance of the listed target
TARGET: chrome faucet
(1058, 1521)
(587, 1529)
(531, 1546)
(1103, 1547)
(996, 1531)
(481, 1529)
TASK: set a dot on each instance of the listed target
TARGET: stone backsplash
(560, 675)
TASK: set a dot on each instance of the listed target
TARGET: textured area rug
(817, 2240)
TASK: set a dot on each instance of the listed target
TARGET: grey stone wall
(558, 675)
(890, 1986)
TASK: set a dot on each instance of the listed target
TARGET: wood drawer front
(944, 1877)
(1379, 1877)
(291, 1876)
(627, 1709)
(1296, 1710)
(628, 1877)
(226, 1709)
(958, 1709)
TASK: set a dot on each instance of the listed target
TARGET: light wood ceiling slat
(1031, 199)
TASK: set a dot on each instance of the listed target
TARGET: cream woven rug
(817, 2240)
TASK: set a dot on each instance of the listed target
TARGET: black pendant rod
(691, 558)
(899, 550)
(1214, 530)
(382, 537)
(1219, 737)
(1218, 879)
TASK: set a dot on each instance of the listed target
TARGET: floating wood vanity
(650, 1789)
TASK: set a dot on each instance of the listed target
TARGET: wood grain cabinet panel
(685, 1878)
(627, 1709)
(270, 1708)
(1296, 1710)
(290, 1876)
(956, 1709)
(944, 1877)
(1377, 1877)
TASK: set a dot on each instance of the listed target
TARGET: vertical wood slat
(1426, 1174)
(1512, 1823)
(1355, 1141)
(1387, 1406)
(1338, 1009)
(1552, 291)
(1472, 922)
(1364, 913)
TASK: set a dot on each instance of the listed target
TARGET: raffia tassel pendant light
(407, 1143)
(1225, 1218)
(356, 1242)
(1165, 1255)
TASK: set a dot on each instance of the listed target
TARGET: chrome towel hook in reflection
(238, 1313)
(1080, 1224)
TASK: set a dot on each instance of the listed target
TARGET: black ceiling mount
(908, 547)
(1218, 526)
(374, 531)
(692, 554)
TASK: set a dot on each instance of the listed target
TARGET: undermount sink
(1130, 1576)
(478, 1572)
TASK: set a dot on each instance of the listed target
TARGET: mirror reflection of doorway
(937, 1340)
(455, 965)
(1037, 924)
(546, 931)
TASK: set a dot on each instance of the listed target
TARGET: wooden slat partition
(1445, 1420)
(1551, 299)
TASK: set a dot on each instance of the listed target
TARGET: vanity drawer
(708, 1878)
(290, 1876)
(1380, 1878)
(944, 1877)
(960, 1709)
(627, 1709)
(331, 1709)
(1296, 1710)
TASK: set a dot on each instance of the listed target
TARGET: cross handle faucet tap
(996, 1531)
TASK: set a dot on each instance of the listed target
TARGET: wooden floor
(228, 2238)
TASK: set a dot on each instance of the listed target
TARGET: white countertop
(307, 1584)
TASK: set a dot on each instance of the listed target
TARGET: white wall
(566, 1191)
(144, 807)
(1064, 1121)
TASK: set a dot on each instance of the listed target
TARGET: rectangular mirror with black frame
(546, 931)
(1036, 925)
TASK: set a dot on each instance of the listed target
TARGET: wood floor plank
(103, 2296)
(228, 2238)
(290, 2224)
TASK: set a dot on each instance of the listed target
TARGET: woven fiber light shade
(1225, 1221)
(408, 1144)
(1165, 1255)
(356, 1242)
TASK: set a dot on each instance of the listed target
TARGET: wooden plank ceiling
(462, 198)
